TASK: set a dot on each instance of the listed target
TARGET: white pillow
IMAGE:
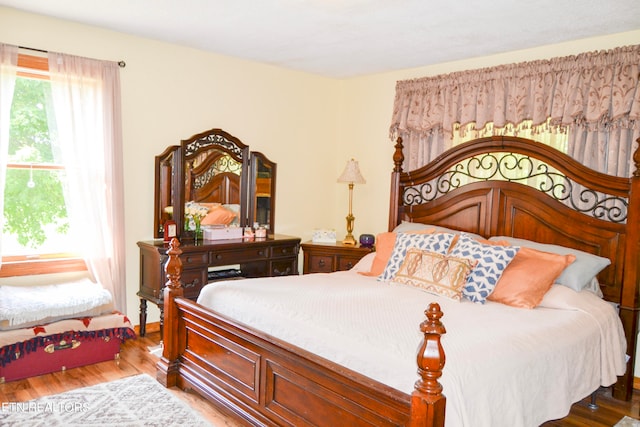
(579, 274)
(365, 263)
(594, 286)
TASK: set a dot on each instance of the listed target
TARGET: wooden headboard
(508, 186)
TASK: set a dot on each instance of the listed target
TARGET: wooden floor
(136, 359)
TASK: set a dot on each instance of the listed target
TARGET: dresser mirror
(263, 190)
(215, 169)
(165, 169)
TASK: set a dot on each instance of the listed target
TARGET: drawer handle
(282, 273)
(193, 284)
(349, 265)
(63, 345)
(218, 256)
(188, 259)
(261, 253)
(321, 263)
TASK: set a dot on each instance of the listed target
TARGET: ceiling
(347, 38)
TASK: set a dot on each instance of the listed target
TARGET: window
(512, 166)
(554, 136)
(34, 234)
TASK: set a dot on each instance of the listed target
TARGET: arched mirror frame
(172, 168)
(213, 141)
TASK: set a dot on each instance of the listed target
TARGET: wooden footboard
(265, 381)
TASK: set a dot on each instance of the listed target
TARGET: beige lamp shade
(351, 174)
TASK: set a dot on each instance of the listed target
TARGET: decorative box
(367, 240)
(221, 233)
(324, 236)
(60, 356)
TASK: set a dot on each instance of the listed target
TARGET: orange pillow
(218, 216)
(384, 247)
(528, 277)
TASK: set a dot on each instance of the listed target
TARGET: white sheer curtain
(88, 135)
(8, 70)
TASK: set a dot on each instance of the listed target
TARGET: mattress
(505, 366)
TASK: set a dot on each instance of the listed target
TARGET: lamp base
(349, 240)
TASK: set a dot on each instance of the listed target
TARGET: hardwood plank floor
(136, 359)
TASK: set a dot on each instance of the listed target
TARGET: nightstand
(330, 257)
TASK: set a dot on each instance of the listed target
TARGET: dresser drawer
(284, 251)
(346, 263)
(284, 267)
(192, 282)
(238, 256)
(194, 259)
(321, 263)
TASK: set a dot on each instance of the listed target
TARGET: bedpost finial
(431, 358)
(398, 155)
(173, 267)
(174, 244)
(433, 325)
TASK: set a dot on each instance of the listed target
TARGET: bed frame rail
(261, 380)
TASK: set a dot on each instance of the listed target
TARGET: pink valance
(597, 90)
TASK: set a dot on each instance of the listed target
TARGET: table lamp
(351, 175)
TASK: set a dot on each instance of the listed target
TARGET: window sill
(44, 266)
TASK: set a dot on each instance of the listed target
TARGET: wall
(170, 93)
(308, 124)
(367, 105)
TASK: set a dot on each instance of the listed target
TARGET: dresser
(211, 260)
(330, 257)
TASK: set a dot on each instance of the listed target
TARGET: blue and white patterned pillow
(434, 242)
(492, 260)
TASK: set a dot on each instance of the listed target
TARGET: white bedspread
(505, 366)
(23, 305)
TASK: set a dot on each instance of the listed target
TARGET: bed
(54, 327)
(247, 370)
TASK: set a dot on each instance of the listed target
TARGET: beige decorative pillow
(435, 273)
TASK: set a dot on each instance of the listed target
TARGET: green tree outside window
(33, 198)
